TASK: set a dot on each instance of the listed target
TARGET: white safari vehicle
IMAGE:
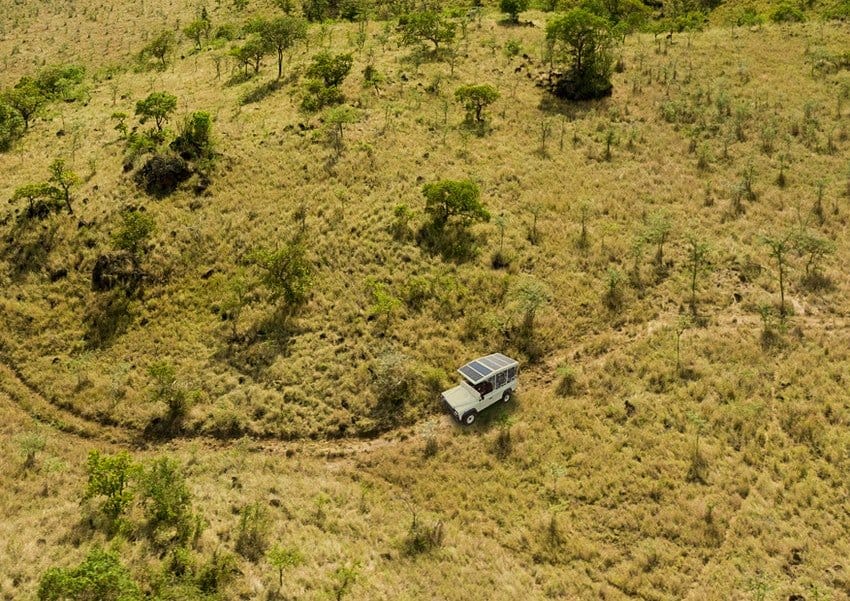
(486, 381)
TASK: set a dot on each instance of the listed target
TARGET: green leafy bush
(100, 577)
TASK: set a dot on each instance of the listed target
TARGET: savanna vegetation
(244, 245)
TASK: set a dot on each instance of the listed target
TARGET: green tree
(195, 139)
(583, 41)
(325, 76)
(454, 198)
(697, 263)
(157, 106)
(475, 98)
(336, 118)
(512, 8)
(100, 577)
(657, 232)
(109, 476)
(58, 82)
(12, 125)
(426, 25)
(197, 31)
(64, 179)
(42, 200)
(251, 53)
(815, 249)
(287, 274)
(281, 34)
(135, 231)
(167, 502)
(282, 558)
(161, 47)
(167, 390)
(779, 247)
(30, 444)
(331, 69)
(26, 98)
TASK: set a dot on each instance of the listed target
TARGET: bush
(11, 126)
(512, 8)
(175, 397)
(109, 476)
(422, 539)
(195, 139)
(787, 13)
(167, 502)
(325, 76)
(162, 174)
(100, 577)
(252, 537)
(217, 572)
(133, 234)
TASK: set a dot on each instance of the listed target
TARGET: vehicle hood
(460, 398)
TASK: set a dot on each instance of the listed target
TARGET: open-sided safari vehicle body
(487, 380)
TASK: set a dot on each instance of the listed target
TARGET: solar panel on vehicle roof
(470, 373)
(481, 368)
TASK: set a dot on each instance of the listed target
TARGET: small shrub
(787, 13)
(423, 539)
(30, 444)
(109, 476)
(100, 577)
(568, 380)
(11, 126)
(217, 572)
(195, 139)
(252, 535)
(167, 503)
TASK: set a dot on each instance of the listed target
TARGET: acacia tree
(287, 274)
(426, 25)
(26, 98)
(583, 41)
(454, 198)
(251, 53)
(779, 247)
(42, 200)
(64, 179)
(161, 47)
(475, 98)
(157, 106)
(197, 31)
(282, 33)
(336, 118)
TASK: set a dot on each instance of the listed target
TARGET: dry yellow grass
(593, 499)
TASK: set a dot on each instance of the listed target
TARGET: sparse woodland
(245, 244)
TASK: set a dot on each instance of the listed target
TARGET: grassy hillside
(670, 441)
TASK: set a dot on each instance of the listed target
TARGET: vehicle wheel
(469, 418)
(507, 396)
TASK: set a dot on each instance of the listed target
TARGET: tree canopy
(582, 40)
(449, 198)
